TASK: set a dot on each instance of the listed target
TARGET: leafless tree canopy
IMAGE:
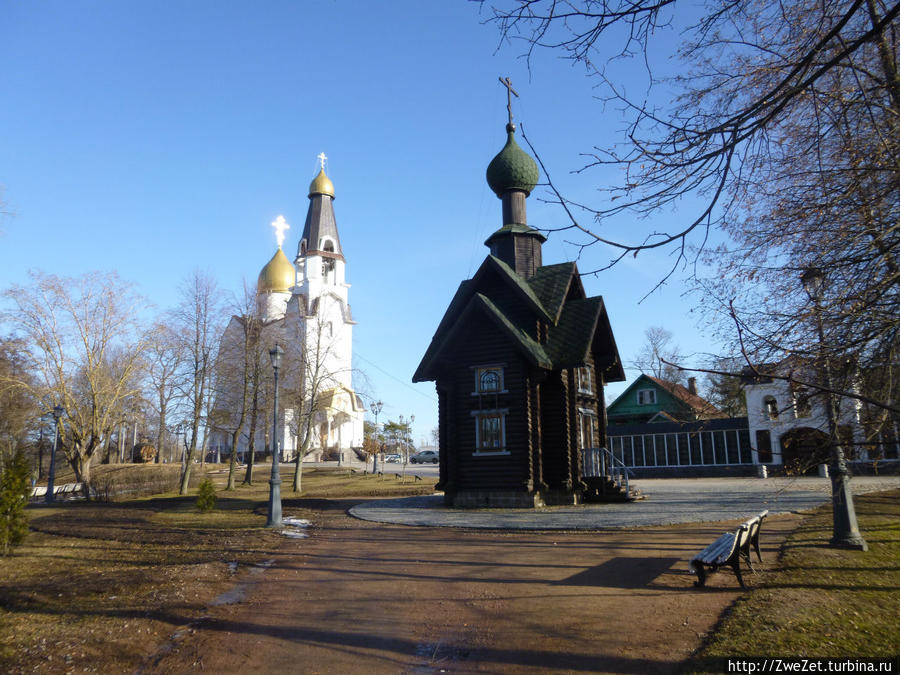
(18, 408)
(198, 320)
(83, 348)
(657, 353)
(784, 129)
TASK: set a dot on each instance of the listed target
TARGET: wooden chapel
(519, 360)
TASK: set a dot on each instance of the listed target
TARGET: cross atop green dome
(512, 168)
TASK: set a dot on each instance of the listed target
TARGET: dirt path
(361, 597)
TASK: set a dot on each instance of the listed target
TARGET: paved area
(669, 501)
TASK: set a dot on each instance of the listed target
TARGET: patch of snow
(296, 522)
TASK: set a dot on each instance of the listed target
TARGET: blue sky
(158, 137)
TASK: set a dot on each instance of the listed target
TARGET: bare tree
(18, 408)
(783, 129)
(238, 368)
(657, 354)
(309, 356)
(84, 348)
(198, 319)
(165, 358)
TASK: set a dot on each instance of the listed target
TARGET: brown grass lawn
(821, 601)
(96, 587)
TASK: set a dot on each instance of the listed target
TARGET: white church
(304, 308)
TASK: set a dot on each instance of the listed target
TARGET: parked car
(394, 459)
(425, 457)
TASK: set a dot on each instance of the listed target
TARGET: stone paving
(668, 501)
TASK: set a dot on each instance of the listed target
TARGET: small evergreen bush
(206, 495)
(15, 489)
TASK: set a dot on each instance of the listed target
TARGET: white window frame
(583, 415)
(584, 375)
(478, 416)
(650, 394)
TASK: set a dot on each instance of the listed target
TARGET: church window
(585, 377)
(587, 428)
(802, 406)
(764, 446)
(489, 380)
(328, 270)
(328, 245)
(303, 247)
(646, 396)
(490, 431)
(770, 406)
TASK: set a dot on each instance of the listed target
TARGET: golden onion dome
(321, 185)
(277, 276)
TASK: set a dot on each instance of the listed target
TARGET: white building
(304, 308)
(789, 424)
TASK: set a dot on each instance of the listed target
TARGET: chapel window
(587, 428)
(489, 380)
(490, 431)
(585, 378)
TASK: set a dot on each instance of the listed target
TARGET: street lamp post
(50, 497)
(274, 517)
(845, 530)
(375, 407)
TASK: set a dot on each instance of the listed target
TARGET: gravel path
(668, 501)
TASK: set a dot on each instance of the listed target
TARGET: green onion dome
(512, 168)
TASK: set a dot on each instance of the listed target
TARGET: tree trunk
(301, 454)
(186, 474)
(161, 433)
(232, 465)
(80, 461)
(251, 448)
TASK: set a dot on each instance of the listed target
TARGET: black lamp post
(50, 497)
(375, 407)
(274, 518)
(845, 533)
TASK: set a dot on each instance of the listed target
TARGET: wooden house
(519, 361)
(651, 399)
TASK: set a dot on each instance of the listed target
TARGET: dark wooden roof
(576, 325)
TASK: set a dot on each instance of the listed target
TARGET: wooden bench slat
(728, 549)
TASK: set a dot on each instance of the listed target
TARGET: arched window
(770, 407)
(490, 381)
(328, 245)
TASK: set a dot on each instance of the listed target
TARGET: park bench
(727, 551)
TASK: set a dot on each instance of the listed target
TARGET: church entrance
(803, 449)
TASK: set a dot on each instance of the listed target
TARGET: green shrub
(15, 489)
(206, 495)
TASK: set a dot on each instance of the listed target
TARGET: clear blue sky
(158, 137)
